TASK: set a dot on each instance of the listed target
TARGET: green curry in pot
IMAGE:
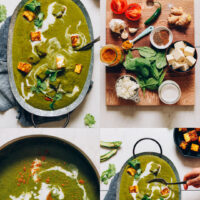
(134, 181)
(50, 172)
(49, 73)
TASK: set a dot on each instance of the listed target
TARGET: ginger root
(178, 17)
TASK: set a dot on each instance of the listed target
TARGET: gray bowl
(19, 98)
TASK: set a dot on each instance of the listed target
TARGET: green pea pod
(155, 16)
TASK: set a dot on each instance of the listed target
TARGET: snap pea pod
(108, 155)
(112, 145)
(155, 16)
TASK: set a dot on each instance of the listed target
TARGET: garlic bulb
(117, 25)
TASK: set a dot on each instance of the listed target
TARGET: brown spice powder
(161, 37)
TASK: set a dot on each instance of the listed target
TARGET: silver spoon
(160, 180)
(89, 45)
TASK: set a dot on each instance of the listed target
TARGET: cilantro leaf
(57, 97)
(109, 173)
(134, 164)
(89, 120)
(3, 13)
(34, 6)
(39, 21)
(146, 197)
(52, 74)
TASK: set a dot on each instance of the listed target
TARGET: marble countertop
(91, 102)
(162, 116)
(164, 136)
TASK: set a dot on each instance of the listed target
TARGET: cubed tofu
(177, 65)
(185, 67)
(191, 136)
(189, 51)
(199, 140)
(131, 171)
(180, 45)
(190, 60)
(78, 68)
(30, 16)
(197, 129)
(182, 129)
(36, 36)
(183, 145)
(170, 59)
(165, 191)
(171, 51)
(60, 62)
(178, 55)
(195, 147)
(75, 40)
(133, 189)
(24, 67)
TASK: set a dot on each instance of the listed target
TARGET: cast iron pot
(20, 100)
(160, 155)
(61, 149)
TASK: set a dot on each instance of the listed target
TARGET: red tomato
(133, 12)
(119, 6)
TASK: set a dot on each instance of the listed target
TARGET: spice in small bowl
(127, 88)
(161, 37)
(169, 92)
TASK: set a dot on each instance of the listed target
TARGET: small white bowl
(157, 30)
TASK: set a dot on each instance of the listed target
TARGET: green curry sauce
(47, 173)
(152, 191)
(56, 41)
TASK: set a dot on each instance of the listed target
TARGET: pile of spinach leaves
(148, 68)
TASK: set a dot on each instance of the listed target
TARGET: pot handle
(161, 151)
(64, 126)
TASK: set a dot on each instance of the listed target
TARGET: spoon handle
(144, 33)
(89, 45)
(178, 183)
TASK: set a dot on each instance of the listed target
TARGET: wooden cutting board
(185, 80)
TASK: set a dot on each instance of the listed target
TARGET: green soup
(59, 25)
(46, 171)
(151, 167)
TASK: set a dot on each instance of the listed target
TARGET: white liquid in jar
(170, 93)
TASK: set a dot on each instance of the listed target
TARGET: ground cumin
(161, 37)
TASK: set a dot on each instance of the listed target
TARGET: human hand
(192, 178)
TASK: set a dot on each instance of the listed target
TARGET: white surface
(130, 136)
(91, 103)
(86, 140)
(162, 116)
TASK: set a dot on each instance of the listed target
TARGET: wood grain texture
(185, 80)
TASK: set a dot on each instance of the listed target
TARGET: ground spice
(109, 55)
(127, 45)
(161, 37)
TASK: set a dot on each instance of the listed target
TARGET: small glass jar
(111, 55)
(169, 92)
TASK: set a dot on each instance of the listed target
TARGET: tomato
(133, 12)
(119, 6)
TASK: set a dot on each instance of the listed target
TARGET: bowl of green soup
(48, 75)
(46, 167)
(134, 177)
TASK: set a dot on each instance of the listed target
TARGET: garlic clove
(132, 30)
(124, 35)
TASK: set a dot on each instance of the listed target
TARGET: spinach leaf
(161, 78)
(154, 71)
(34, 6)
(3, 13)
(161, 60)
(152, 84)
(39, 21)
(146, 52)
(129, 55)
(109, 173)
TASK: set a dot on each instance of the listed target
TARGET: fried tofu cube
(133, 189)
(165, 191)
(199, 140)
(131, 171)
(191, 136)
(36, 36)
(182, 129)
(75, 40)
(24, 67)
(197, 129)
(195, 147)
(183, 145)
(78, 68)
(60, 62)
(30, 16)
